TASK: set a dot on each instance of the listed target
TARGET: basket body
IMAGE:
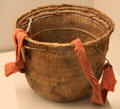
(52, 67)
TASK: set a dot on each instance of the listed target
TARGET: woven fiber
(52, 67)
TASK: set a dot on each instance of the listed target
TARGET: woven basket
(52, 67)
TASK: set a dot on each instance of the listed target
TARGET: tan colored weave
(52, 67)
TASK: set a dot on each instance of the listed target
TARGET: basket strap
(99, 90)
(13, 67)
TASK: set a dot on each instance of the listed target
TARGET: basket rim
(86, 44)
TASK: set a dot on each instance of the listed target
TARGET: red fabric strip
(13, 67)
(108, 80)
(99, 93)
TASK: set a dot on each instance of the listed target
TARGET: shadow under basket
(52, 67)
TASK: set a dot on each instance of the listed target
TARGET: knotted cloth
(13, 67)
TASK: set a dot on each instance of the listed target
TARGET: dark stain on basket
(53, 92)
(58, 86)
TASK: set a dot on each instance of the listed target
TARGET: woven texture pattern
(52, 67)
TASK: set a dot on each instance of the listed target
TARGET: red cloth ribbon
(13, 67)
(108, 81)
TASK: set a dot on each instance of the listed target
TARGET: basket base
(59, 95)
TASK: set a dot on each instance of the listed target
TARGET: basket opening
(64, 24)
(65, 28)
(63, 35)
